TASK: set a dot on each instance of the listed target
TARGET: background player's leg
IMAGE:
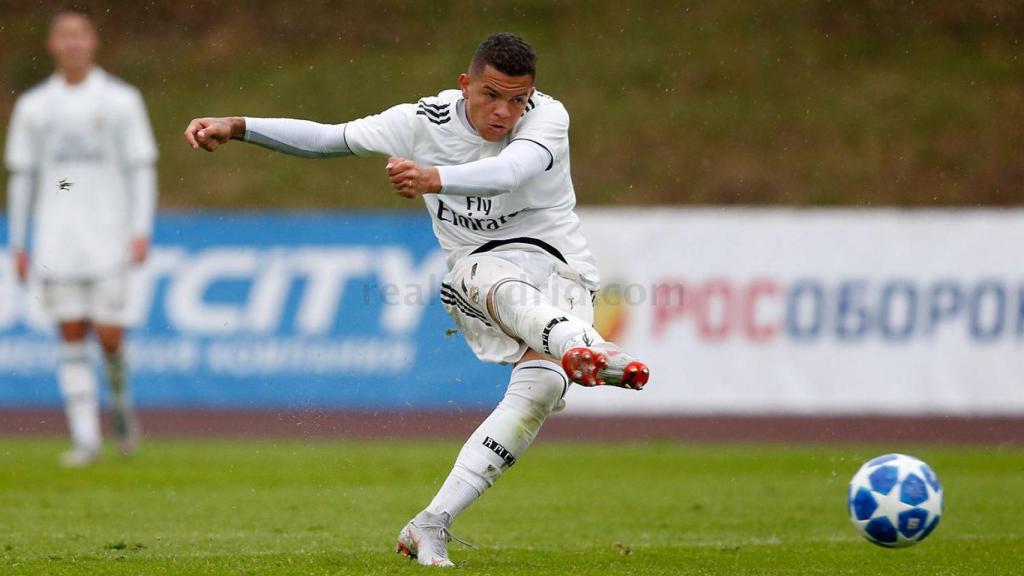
(535, 388)
(126, 426)
(78, 386)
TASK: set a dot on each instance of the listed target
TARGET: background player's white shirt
(431, 133)
(87, 136)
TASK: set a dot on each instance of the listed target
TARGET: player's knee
(110, 338)
(514, 292)
(519, 308)
(510, 296)
(74, 331)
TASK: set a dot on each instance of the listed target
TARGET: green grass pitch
(292, 507)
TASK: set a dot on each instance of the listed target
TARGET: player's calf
(126, 423)
(604, 364)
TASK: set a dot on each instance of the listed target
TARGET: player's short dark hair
(507, 53)
(72, 10)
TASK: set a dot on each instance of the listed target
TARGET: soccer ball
(895, 500)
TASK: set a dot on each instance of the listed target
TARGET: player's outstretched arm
(302, 138)
(210, 133)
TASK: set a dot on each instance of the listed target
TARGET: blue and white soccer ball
(895, 500)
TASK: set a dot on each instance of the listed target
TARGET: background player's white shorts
(102, 300)
(465, 288)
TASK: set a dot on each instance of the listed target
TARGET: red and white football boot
(604, 364)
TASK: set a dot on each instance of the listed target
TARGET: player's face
(72, 42)
(495, 101)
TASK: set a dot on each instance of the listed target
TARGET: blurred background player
(491, 161)
(81, 155)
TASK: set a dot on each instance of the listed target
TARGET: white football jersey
(538, 215)
(78, 140)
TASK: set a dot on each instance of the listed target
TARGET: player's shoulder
(543, 105)
(443, 98)
(35, 96)
(543, 113)
(439, 109)
(540, 99)
(115, 87)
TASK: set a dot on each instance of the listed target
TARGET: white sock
(528, 314)
(81, 402)
(454, 496)
(533, 391)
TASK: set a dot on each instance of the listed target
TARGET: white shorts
(101, 300)
(465, 288)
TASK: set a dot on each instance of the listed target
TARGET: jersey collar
(460, 111)
(93, 78)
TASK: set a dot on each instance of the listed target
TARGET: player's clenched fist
(410, 180)
(209, 133)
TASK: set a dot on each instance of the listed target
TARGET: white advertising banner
(812, 311)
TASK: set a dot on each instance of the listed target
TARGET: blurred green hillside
(799, 102)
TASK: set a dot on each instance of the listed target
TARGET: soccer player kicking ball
(491, 162)
(80, 146)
